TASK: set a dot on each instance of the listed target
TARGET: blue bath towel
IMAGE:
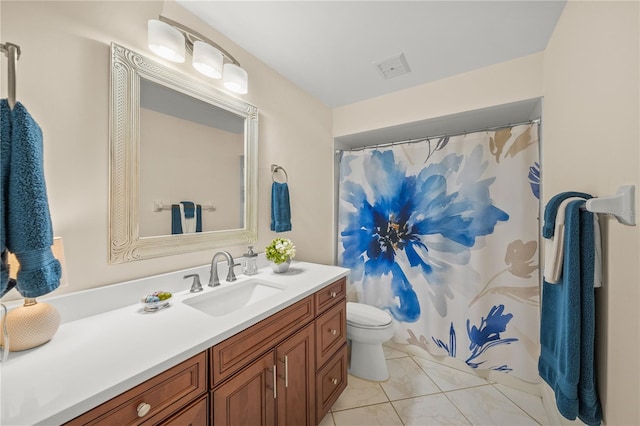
(567, 328)
(280, 208)
(552, 208)
(25, 222)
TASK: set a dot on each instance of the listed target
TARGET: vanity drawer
(329, 295)
(164, 394)
(331, 380)
(197, 414)
(237, 351)
(331, 332)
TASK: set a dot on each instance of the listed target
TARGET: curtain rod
(426, 138)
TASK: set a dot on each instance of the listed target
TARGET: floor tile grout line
(444, 392)
(425, 372)
(333, 419)
(467, 388)
(435, 383)
(456, 389)
(457, 408)
(396, 411)
(516, 404)
(370, 405)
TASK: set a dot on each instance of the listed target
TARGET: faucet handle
(196, 287)
(231, 275)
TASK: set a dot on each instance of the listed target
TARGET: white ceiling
(328, 48)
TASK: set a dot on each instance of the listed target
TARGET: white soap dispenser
(251, 262)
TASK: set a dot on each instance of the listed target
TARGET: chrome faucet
(231, 276)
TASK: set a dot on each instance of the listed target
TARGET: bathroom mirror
(175, 138)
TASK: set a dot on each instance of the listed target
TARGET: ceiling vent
(392, 67)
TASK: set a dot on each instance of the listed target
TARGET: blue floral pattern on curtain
(427, 230)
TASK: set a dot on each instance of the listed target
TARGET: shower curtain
(443, 235)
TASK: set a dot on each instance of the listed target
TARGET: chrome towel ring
(274, 170)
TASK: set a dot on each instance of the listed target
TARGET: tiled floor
(422, 392)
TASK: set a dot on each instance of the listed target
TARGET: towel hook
(274, 170)
(12, 51)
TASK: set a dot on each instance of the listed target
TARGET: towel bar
(12, 51)
(160, 205)
(622, 205)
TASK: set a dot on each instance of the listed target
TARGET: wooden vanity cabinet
(285, 375)
(196, 414)
(295, 358)
(302, 373)
(249, 397)
(277, 388)
(154, 400)
(286, 370)
(331, 345)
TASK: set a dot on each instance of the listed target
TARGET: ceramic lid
(366, 315)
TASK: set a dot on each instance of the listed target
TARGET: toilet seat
(366, 316)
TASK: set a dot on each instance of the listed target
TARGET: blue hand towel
(280, 208)
(25, 221)
(189, 209)
(567, 327)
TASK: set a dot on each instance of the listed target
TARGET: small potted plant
(279, 253)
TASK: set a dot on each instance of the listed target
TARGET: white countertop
(107, 344)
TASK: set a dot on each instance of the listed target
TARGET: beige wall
(499, 84)
(591, 139)
(63, 80)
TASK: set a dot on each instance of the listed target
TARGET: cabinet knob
(333, 332)
(334, 381)
(143, 409)
(334, 294)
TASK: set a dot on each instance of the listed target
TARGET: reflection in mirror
(189, 151)
(174, 138)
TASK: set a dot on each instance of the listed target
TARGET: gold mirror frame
(125, 243)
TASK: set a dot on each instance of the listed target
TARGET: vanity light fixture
(165, 41)
(169, 39)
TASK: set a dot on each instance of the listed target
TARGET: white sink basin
(225, 300)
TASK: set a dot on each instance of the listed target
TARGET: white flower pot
(280, 268)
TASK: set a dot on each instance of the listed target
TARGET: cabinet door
(248, 399)
(296, 379)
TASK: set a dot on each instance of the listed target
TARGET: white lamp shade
(207, 59)
(165, 41)
(235, 78)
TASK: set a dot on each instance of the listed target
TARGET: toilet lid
(366, 315)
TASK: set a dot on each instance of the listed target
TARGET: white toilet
(367, 328)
